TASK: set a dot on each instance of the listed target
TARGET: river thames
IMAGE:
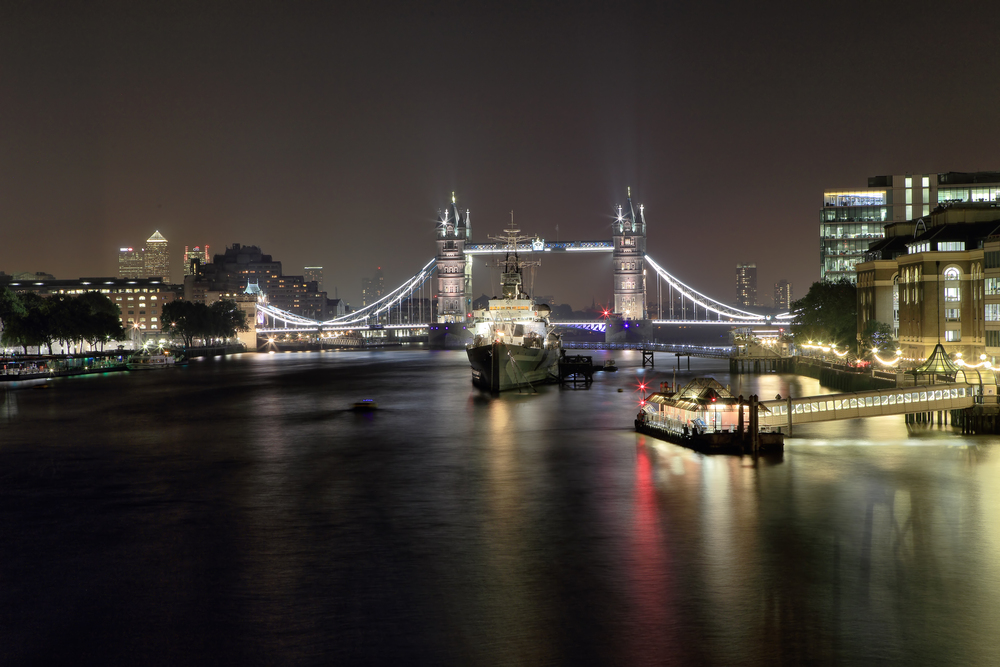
(237, 512)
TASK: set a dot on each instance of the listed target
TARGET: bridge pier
(681, 354)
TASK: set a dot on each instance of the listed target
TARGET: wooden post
(789, 414)
(739, 420)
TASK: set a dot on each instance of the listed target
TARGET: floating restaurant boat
(706, 417)
(513, 345)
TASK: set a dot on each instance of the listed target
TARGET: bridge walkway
(875, 403)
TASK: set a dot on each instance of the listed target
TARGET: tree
(181, 318)
(878, 336)
(191, 320)
(11, 311)
(226, 319)
(103, 321)
(827, 313)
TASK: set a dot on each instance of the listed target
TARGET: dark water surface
(235, 512)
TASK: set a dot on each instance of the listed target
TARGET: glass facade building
(851, 219)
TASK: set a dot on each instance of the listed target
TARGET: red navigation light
(606, 313)
(642, 386)
(642, 402)
(713, 399)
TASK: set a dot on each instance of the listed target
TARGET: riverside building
(927, 279)
(852, 219)
(140, 300)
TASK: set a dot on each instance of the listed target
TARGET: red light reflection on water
(650, 578)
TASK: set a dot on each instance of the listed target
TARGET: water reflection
(247, 510)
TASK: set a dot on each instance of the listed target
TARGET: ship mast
(512, 280)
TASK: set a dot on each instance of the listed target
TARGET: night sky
(330, 133)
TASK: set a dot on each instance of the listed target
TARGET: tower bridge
(439, 295)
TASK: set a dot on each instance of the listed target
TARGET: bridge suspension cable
(362, 315)
(707, 302)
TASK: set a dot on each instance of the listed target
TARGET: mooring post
(789, 414)
(739, 420)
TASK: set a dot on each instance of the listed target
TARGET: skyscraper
(783, 295)
(746, 285)
(130, 263)
(156, 256)
(195, 253)
(372, 288)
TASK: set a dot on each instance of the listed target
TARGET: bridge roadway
(875, 403)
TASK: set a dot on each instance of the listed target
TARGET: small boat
(609, 366)
(365, 405)
(151, 362)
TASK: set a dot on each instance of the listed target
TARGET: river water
(236, 512)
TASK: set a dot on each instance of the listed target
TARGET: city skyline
(284, 130)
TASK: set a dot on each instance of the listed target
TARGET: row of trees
(189, 320)
(30, 320)
(829, 313)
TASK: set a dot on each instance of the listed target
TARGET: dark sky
(331, 132)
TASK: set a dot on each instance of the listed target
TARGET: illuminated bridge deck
(543, 246)
(853, 405)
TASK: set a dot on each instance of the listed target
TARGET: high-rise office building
(314, 274)
(852, 219)
(372, 288)
(746, 285)
(783, 295)
(130, 264)
(156, 256)
(195, 253)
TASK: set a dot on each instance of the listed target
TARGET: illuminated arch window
(952, 273)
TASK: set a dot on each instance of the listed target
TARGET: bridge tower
(629, 236)
(454, 273)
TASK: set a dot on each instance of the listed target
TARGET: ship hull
(498, 367)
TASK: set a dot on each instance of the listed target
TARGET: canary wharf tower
(156, 256)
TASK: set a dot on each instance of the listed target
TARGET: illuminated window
(925, 181)
(909, 195)
(909, 212)
(952, 335)
(908, 182)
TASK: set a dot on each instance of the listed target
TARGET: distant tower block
(157, 257)
(130, 263)
(452, 297)
(195, 253)
(629, 237)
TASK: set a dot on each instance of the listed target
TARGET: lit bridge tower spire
(629, 236)
(453, 274)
